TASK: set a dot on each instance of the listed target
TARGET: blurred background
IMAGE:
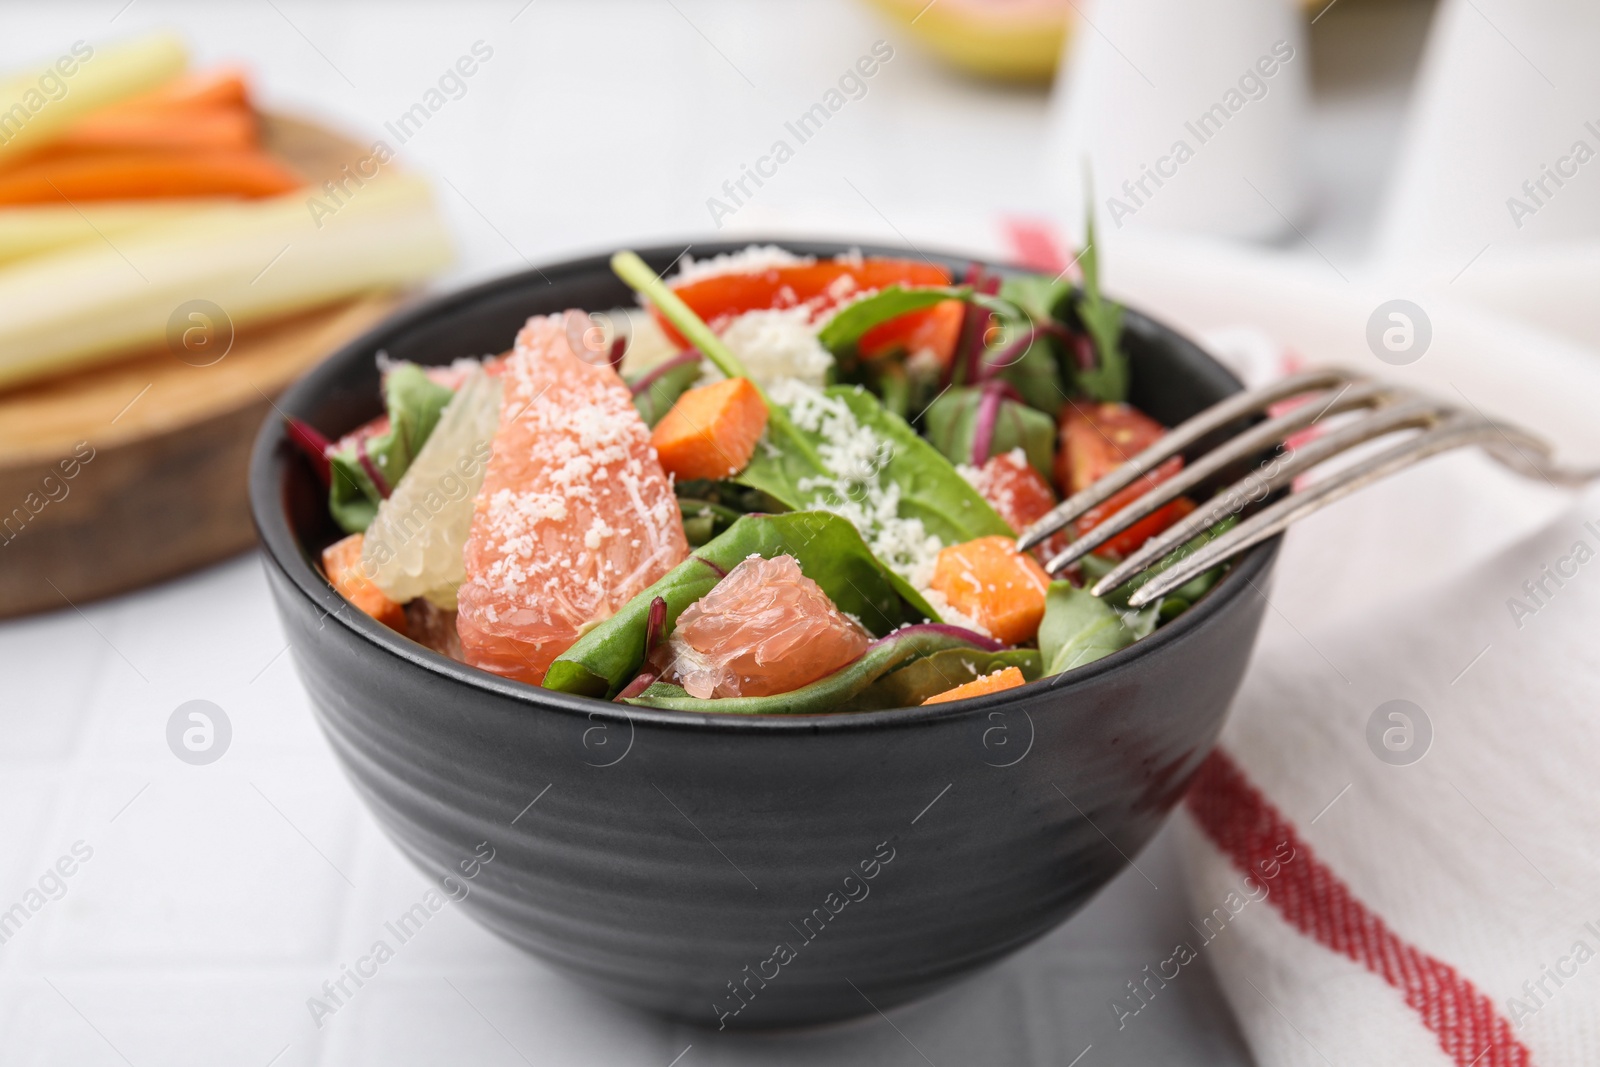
(1280, 180)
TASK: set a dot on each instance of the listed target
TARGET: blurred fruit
(1009, 40)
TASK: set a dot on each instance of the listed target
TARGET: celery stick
(633, 270)
(31, 115)
(35, 230)
(256, 260)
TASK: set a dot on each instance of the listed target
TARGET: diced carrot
(181, 129)
(1004, 678)
(342, 562)
(935, 329)
(990, 581)
(1019, 495)
(826, 282)
(711, 432)
(146, 175)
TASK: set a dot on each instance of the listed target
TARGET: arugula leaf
(867, 683)
(829, 550)
(1078, 628)
(952, 422)
(1102, 319)
(414, 403)
(845, 329)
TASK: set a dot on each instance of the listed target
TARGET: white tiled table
(219, 898)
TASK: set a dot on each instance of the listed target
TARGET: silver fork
(1387, 409)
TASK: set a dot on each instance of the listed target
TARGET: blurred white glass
(1503, 144)
(1190, 115)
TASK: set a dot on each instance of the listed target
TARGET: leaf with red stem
(371, 468)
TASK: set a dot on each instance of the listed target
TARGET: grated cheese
(854, 489)
(775, 344)
(750, 260)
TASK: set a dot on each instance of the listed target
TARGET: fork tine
(1458, 431)
(1271, 475)
(1176, 440)
(1253, 440)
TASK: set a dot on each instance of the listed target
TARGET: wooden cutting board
(134, 471)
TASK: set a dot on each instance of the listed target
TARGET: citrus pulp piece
(764, 629)
(575, 515)
(414, 545)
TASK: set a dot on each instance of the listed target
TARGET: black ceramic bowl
(729, 870)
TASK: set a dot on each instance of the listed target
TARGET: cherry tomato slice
(936, 329)
(1095, 440)
(827, 282)
(1098, 438)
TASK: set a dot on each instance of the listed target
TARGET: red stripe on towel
(1317, 902)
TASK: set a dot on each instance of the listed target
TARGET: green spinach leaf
(934, 674)
(792, 470)
(1078, 628)
(952, 423)
(1032, 302)
(657, 389)
(845, 329)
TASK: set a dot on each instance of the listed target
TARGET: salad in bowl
(689, 602)
(783, 484)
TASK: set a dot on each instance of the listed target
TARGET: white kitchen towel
(1392, 854)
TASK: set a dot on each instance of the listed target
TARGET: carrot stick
(146, 175)
(165, 129)
(216, 88)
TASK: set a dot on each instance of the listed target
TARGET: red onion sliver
(313, 446)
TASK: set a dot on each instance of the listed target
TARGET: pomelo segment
(764, 629)
(575, 515)
(414, 546)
